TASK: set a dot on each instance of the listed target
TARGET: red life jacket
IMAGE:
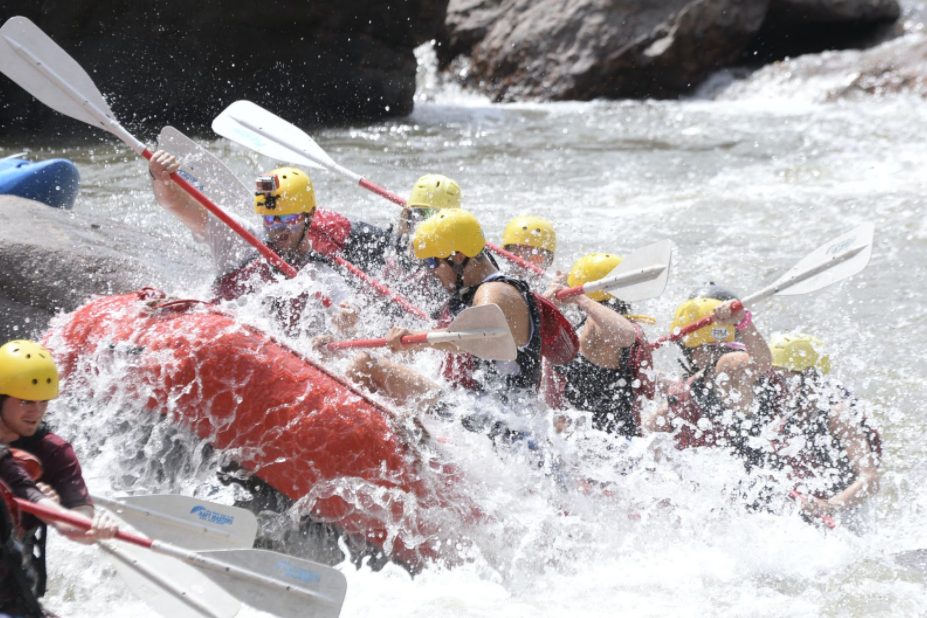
(328, 232)
(697, 428)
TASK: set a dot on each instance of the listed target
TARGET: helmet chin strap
(459, 288)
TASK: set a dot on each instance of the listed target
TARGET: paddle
(35, 62)
(272, 582)
(256, 128)
(481, 331)
(170, 587)
(840, 258)
(189, 522)
(203, 164)
(641, 275)
(215, 177)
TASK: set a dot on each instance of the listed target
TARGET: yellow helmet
(284, 191)
(452, 230)
(27, 371)
(694, 310)
(434, 191)
(798, 352)
(593, 267)
(532, 231)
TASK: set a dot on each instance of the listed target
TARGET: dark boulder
(796, 27)
(179, 62)
(585, 49)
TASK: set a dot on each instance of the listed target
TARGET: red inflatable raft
(301, 430)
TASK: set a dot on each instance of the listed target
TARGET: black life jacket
(500, 377)
(18, 595)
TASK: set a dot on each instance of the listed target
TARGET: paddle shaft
(190, 557)
(376, 343)
(278, 262)
(432, 337)
(770, 290)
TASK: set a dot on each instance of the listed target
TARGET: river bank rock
(180, 63)
(52, 260)
(898, 66)
(585, 49)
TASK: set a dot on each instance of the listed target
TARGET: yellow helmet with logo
(593, 267)
(693, 310)
(530, 231)
(450, 231)
(434, 191)
(284, 191)
(798, 352)
(27, 371)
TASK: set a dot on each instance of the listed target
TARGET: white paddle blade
(188, 522)
(482, 331)
(207, 172)
(840, 258)
(315, 590)
(170, 588)
(256, 128)
(31, 59)
(641, 275)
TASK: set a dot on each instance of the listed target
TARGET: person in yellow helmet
(611, 376)
(728, 387)
(430, 194)
(28, 381)
(531, 238)
(823, 438)
(452, 246)
(293, 227)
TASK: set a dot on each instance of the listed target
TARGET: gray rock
(584, 49)
(896, 66)
(558, 49)
(53, 260)
(179, 62)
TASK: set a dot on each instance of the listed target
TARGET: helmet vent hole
(48, 380)
(28, 355)
(35, 381)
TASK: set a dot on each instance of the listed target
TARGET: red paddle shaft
(77, 520)
(376, 343)
(263, 249)
(691, 328)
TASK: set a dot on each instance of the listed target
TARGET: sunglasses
(433, 262)
(275, 220)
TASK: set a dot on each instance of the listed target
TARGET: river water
(744, 185)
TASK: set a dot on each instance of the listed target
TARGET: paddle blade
(188, 522)
(645, 271)
(256, 128)
(206, 171)
(316, 591)
(31, 59)
(484, 332)
(170, 587)
(840, 258)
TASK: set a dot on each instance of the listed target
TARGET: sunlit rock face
(179, 62)
(585, 49)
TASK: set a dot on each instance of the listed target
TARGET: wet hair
(617, 305)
